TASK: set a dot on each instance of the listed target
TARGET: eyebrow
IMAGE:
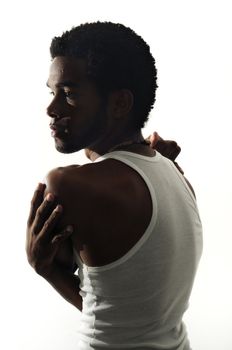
(67, 83)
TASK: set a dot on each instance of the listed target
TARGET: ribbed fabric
(138, 301)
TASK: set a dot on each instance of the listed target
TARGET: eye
(69, 94)
(51, 93)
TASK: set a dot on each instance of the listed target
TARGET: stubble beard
(89, 138)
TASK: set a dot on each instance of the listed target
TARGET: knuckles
(40, 213)
(46, 225)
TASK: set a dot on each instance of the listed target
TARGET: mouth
(58, 132)
(59, 128)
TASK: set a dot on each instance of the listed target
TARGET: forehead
(65, 69)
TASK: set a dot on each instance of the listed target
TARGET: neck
(115, 144)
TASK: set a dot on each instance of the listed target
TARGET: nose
(51, 111)
(54, 109)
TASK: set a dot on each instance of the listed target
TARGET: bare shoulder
(56, 177)
(107, 203)
(99, 176)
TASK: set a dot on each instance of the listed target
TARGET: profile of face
(77, 111)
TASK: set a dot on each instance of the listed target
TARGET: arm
(66, 284)
(43, 243)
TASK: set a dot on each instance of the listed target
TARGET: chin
(67, 148)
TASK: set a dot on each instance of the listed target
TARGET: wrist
(48, 271)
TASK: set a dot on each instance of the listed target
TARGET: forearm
(66, 284)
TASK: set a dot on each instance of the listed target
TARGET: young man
(135, 231)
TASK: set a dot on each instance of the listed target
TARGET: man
(128, 220)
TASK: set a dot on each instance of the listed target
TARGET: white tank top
(138, 301)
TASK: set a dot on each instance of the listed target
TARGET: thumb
(63, 235)
(154, 138)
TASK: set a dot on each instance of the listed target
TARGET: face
(78, 114)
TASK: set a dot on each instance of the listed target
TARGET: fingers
(174, 150)
(44, 211)
(154, 138)
(37, 199)
(167, 148)
(58, 239)
(62, 236)
(46, 231)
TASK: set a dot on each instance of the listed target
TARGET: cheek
(90, 114)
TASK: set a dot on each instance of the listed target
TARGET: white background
(191, 41)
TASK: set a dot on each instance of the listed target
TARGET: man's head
(116, 59)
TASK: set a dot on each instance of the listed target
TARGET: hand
(42, 243)
(168, 148)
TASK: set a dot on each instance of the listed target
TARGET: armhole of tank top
(183, 180)
(148, 230)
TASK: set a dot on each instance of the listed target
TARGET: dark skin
(107, 204)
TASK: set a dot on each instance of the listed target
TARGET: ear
(121, 103)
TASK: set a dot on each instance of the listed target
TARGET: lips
(60, 127)
(56, 132)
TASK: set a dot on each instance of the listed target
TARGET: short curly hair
(117, 58)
